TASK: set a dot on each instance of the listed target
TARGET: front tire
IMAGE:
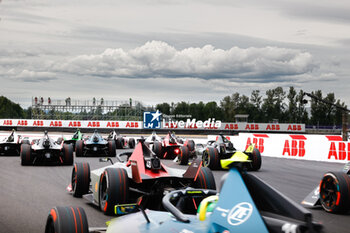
(113, 190)
(26, 155)
(80, 179)
(67, 219)
(256, 160)
(334, 192)
(205, 179)
(79, 148)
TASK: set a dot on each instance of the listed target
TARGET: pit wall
(326, 148)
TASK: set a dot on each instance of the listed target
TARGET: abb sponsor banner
(240, 126)
(72, 124)
(329, 148)
(207, 125)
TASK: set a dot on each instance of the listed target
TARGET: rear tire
(67, 219)
(26, 155)
(211, 158)
(131, 143)
(113, 190)
(119, 142)
(25, 141)
(79, 148)
(256, 160)
(80, 179)
(205, 179)
(157, 149)
(67, 154)
(190, 144)
(111, 148)
(183, 156)
(334, 192)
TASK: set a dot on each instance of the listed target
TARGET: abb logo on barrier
(113, 124)
(38, 123)
(56, 123)
(338, 149)
(93, 124)
(74, 124)
(22, 122)
(294, 128)
(258, 140)
(295, 147)
(7, 122)
(132, 125)
(231, 126)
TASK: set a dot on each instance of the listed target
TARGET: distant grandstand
(94, 109)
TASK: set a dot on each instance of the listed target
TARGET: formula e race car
(333, 192)
(11, 144)
(76, 137)
(222, 148)
(46, 150)
(153, 138)
(172, 147)
(138, 177)
(120, 141)
(95, 145)
(244, 204)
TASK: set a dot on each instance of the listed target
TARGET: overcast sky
(172, 50)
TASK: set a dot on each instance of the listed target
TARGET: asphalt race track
(28, 193)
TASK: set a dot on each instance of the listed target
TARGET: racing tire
(334, 192)
(26, 155)
(157, 149)
(211, 158)
(67, 219)
(80, 179)
(113, 189)
(205, 179)
(256, 160)
(132, 143)
(67, 154)
(25, 141)
(111, 148)
(79, 148)
(183, 155)
(119, 142)
(190, 144)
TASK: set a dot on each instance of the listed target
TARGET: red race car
(172, 147)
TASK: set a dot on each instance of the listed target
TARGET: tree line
(276, 105)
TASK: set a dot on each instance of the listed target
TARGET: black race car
(47, 151)
(120, 141)
(138, 177)
(333, 192)
(95, 145)
(11, 145)
(222, 148)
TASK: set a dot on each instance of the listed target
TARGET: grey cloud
(159, 59)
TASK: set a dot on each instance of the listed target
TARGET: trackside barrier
(328, 148)
(176, 125)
